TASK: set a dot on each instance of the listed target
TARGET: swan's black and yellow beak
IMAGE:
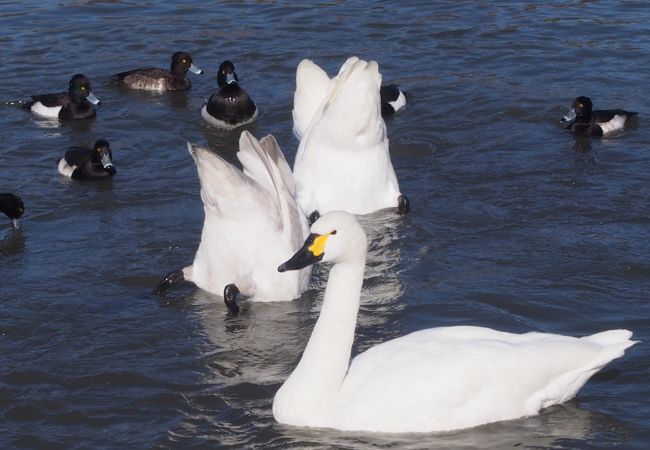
(310, 253)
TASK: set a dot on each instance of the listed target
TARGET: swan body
(251, 222)
(436, 379)
(343, 162)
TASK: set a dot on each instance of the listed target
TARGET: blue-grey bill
(569, 117)
(106, 161)
(92, 99)
(195, 69)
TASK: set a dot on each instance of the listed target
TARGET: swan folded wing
(229, 192)
(450, 378)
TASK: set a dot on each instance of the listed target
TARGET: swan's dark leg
(230, 297)
(402, 205)
(313, 217)
(171, 279)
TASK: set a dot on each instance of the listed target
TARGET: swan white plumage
(431, 380)
(313, 86)
(252, 220)
(343, 162)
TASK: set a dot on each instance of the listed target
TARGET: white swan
(251, 221)
(343, 161)
(431, 380)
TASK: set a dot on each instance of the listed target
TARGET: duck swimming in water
(13, 207)
(161, 80)
(584, 121)
(76, 104)
(231, 106)
(82, 163)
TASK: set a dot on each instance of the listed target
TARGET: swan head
(335, 237)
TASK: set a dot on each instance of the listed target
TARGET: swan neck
(326, 358)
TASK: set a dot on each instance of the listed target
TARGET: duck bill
(195, 69)
(303, 257)
(231, 78)
(107, 162)
(92, 99)
(15, 223)
(569, 117)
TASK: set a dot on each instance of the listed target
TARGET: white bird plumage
(252, 221)
(342, 162)
(431, 380)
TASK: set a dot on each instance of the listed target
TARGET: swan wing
(264, 162)
(229, 193)
(458, 377)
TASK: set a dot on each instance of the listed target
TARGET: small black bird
(77, 103)
(13, 207)
(161, 80)
(392, 99)
(82, 163)
(584, 121)
(230, 106)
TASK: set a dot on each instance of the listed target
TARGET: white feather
(46, 111)
(221, 124)
(616, 123)
(66, 169)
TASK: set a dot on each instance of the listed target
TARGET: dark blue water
(515, 224)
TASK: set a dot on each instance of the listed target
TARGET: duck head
(580, 110)
(102, 154)
(227, 74)
(13, 207)
(182, 62)
(79, 89)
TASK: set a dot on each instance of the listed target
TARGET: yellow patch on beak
(318, 247)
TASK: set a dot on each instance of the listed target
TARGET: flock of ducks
(432, 380)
